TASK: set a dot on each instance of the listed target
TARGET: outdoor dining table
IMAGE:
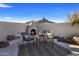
(38, 39)
(41, 37)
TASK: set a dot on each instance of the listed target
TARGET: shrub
(72, 41)
(3, 44)
(10, 37)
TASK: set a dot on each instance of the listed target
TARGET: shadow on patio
(44, 49)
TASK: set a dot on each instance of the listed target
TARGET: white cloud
(31, 19)
(4, 6)
(7, 18)
(13, 19)
(58, 20)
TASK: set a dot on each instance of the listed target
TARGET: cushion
(75, 40)
(50, 35)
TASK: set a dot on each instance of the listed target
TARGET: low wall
(7, 28)
(60, 29)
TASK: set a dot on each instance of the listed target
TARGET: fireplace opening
(33, 32)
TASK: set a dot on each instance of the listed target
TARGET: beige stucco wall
(60, 29)
(7, 28)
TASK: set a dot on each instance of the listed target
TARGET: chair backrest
(23, 35)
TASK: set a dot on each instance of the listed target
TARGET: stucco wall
(60, 29)
(7, 28)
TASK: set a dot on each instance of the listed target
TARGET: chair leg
(37, 43)
(52, 43)
(43, 41)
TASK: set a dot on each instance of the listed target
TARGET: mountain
(44, 20)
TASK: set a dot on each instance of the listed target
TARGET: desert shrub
(10, 37)
(71, 41)
(68, 40)
(3, 44)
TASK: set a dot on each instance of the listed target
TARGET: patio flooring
(44, 49)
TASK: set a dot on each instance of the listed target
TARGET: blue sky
(23, 12)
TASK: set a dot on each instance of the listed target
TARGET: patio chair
(26, 38)
(50, 38)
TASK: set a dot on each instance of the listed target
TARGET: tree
(74, 18)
